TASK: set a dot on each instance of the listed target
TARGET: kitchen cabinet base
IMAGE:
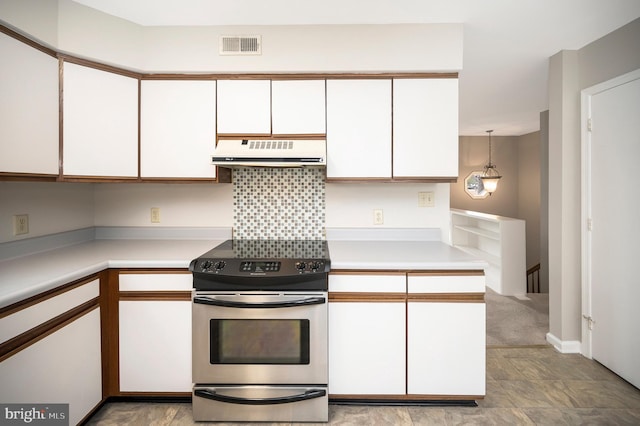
(415, 400)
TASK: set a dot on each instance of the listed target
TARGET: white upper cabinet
(425, 127)
(177, 128)
(28, 109)
(298, 107)
(244, 106)
(100, 135)
(359, 128)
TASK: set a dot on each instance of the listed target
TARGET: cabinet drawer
(417, 283)
(156, 282)
(373, 283)
(28, 318)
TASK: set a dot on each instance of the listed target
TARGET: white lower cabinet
(416, 334)
(366, 348)
(446, 348)
(155, 346)
(64, 367)
(367, 334)
(155, 333)
(446, 343)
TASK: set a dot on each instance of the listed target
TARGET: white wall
(182, 205)
(352, 205)
(88, 33)
(52, 207)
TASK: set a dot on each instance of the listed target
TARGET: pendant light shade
(490, 176)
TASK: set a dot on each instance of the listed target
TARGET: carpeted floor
(514, 322)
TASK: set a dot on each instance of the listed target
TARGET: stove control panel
(259, 267)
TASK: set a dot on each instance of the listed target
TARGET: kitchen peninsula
(422, 295)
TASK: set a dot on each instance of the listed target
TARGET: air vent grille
(270, 144)
(241, 45)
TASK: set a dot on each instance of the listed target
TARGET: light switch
(426, 199)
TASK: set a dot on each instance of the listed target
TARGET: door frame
(586, 188)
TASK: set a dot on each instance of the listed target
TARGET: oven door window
(259, 341)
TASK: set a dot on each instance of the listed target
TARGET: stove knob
(314, 266)
(219, 265)
(206, 265)
(301, 266)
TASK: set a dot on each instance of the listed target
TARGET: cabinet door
(100, 135)
(367, 343)
(367, 348)
(359, 128)
(425, 128)
(64, 367)
(446, 348)
(244, 107)
(28, 109)
(177, 128)
(298, 107)
(155, 346)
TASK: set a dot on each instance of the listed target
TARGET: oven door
(260, 338)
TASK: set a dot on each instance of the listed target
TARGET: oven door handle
(310, 394)
(283, 304)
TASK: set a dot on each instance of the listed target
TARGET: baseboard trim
(565, 346)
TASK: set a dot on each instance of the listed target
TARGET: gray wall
(570, 72)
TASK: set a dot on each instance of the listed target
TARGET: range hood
(270, 153)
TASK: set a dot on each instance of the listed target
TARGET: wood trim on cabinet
(41, 297)
(297, 76)
(458, 272)
(367, 297)
(33, 177)
(99, 66)
(110, 323)
(19, 37)
(157, 395)
(138, 271)
(176, 295)
(394, 179)
(446, 297)
(60, 119)
(34, 335)
(301, 136)
(401, 397)
(367, 272)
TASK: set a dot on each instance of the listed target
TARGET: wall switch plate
(155, 214)
(426, 199)
(378, 217)
(20, 224)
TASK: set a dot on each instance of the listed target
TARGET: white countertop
(29, 275)
(404, 255)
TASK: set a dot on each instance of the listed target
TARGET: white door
(612, 205)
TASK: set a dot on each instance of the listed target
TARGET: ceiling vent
(241, 45)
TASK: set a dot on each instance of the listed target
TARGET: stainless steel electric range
(260, 312)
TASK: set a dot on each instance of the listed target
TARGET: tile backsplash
(279, 203)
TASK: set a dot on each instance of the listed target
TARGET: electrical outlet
(426, 199)
(20, 224)
(155, 214)
(378, 217)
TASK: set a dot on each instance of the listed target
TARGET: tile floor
(525, 386)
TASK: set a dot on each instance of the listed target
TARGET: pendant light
(490, 176)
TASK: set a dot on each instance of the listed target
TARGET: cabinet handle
(284, 304)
